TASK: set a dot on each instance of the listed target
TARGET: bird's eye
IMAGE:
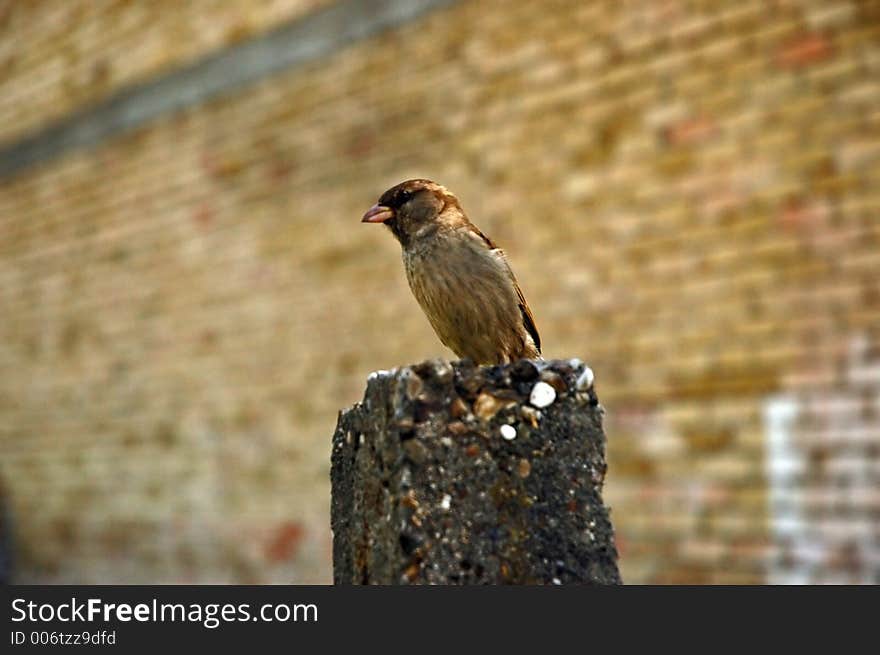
(405, 196)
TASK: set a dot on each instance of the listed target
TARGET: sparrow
(459, 277)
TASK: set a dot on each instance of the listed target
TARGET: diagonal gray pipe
(291, 45)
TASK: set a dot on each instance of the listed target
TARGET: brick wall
(687, 191)
(58, 56)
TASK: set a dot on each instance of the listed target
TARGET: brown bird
(458, 275)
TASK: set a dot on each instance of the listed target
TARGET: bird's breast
(468, 298)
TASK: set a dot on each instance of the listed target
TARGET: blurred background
(689, 192)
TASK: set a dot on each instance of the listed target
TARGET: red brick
(804, 50)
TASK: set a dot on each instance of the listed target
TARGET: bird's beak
(378, 214)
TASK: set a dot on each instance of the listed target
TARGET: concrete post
(457, 474)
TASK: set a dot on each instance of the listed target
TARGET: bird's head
(413, 209)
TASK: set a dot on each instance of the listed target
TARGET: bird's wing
(528, 319)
